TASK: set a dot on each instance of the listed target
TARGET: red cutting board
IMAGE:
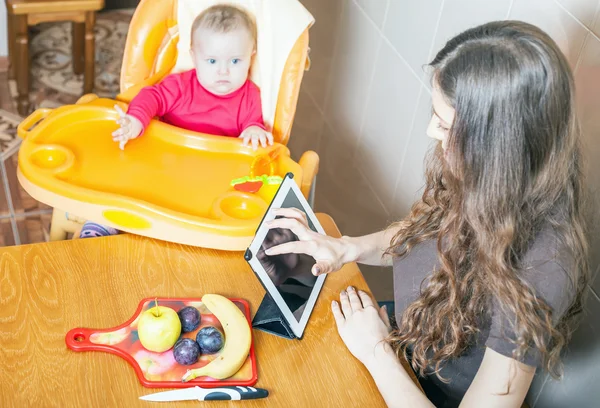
(160, 370)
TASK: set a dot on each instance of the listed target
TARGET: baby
(216, 97)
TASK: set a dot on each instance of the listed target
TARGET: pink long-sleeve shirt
(181, 101)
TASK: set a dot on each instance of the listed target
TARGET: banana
(237, 340)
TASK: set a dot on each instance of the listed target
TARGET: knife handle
(245, 393)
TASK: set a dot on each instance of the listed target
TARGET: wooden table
(47, 289)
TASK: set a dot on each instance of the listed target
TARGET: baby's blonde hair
(224, 18)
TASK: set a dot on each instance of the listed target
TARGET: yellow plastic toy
(170, 183)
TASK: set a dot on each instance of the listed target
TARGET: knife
(208, 394)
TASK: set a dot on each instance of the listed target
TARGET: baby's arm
(252, 121)
(130, 128)
(151, 101)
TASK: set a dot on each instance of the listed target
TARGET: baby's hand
(256, 135)
(130, 128)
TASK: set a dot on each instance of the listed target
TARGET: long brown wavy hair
(514, 166)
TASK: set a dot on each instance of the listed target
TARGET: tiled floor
(23, 220)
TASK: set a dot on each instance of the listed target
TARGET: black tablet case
(268, 318)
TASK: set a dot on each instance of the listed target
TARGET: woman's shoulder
(548, 245)
(548, 267)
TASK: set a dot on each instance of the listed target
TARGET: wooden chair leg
(90, 57)
(11, 47)
(20, 27)
(78, 34)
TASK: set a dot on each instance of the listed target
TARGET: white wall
(3, 31)
(365, 105)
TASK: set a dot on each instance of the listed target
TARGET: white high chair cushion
(279, 24)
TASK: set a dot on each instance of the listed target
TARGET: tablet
(287, 278)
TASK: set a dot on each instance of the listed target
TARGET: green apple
(159, 328)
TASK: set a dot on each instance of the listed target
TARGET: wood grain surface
(47, 289)
(52, 6)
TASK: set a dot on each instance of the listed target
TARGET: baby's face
(222, 60)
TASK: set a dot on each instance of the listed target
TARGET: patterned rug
(25, 220)
(54, 82)
(9, 142)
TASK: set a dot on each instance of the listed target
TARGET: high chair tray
(169, 183)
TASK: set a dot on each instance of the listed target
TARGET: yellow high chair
(170, 183)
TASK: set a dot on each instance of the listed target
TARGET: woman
(490, 264)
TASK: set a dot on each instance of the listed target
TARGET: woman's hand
(360, 324)
(279, 267)
(329, 253)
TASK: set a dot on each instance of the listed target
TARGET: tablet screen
(290, 273)
(287, 278)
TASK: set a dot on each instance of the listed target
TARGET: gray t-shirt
(544, 270)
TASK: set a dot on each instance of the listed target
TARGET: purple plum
(210, 340)
(190, 319)
(186, 351)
